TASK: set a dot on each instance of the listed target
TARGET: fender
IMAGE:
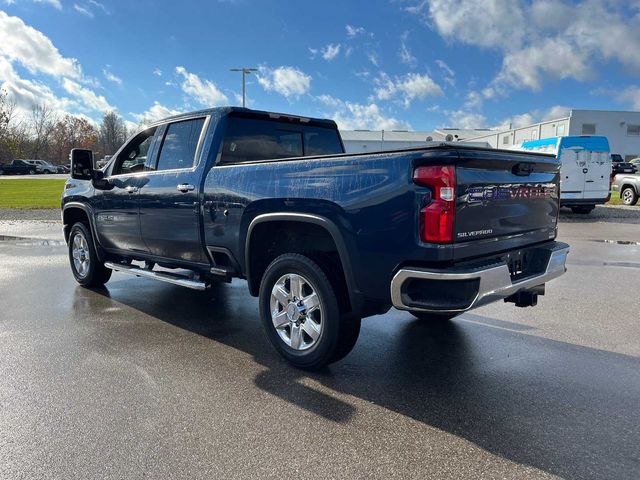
(355, 296)
(89, 211)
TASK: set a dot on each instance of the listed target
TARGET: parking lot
(148, 380)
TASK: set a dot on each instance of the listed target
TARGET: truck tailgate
(503, 194)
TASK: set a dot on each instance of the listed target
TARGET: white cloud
(330, 52)
(406, 56)
(356, 116)
(409, 87)
(287, 81)
(631, 96)
(354, 31)
(84, 11)
(157, 72)
(53, 3)
(466, 119)
(87, 98)
(540, 40)
(27, 93)
(204, 92)
(373, 58)
(111, 77)
(534, 116)
(156, 112)
(33, 50)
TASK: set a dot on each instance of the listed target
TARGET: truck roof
(248, 112)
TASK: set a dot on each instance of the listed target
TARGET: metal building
(356, 141)
(621, 128)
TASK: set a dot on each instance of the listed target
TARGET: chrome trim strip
(161, 276)
(495, 282)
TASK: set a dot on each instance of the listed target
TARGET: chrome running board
(166, 277)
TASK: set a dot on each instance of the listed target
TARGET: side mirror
(81, 164)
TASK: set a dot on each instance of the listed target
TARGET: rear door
(572, 173)
(597, 178)
(169, 196)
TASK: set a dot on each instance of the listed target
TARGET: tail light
(437, 218)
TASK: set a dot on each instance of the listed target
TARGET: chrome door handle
(185, 187)
(131, 189)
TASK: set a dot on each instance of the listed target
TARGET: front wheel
(300, 313)
(629, 196)
(32, 172)
(86, 267)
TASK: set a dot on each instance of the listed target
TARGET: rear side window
(248, 140)
(321, 141)
(180, 144)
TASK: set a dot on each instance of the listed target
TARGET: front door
(117, 218)
(169, 198)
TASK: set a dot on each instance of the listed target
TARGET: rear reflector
(437, 218)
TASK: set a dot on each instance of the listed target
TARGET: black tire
(32, 172)
(629, 196)
(96, 274)
(433, 317)
(583, 209)
(338, 333)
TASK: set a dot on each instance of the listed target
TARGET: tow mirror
(81, 164)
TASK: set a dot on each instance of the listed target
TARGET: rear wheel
(433, 317)
(32, 172)
(87, 268)
(583, 209)
(629, 196)
(301, 315)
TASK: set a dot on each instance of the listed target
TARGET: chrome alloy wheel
(80, 253)
(627, 196)
(296, 312)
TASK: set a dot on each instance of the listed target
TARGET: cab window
(133, 157)
(179, 146)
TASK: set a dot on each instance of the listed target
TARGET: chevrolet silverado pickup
(323, 238)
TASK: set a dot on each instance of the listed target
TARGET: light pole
(245, 71)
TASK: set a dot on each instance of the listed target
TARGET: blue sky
(393, 64)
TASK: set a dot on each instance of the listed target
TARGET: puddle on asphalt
(619, 242)
(622, 264)
(31, 242)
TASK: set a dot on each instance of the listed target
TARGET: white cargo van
(585, 169)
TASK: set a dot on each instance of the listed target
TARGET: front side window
(588, 129)
(180, 144)
(134, 156)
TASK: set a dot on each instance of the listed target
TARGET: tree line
(42, 134)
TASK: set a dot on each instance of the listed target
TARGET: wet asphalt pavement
(147, 380)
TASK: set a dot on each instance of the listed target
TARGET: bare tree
(42, 124)
(113, 132)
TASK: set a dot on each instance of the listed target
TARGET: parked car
(42, 166)
(628, 186)
(323, 238)
(62, 169)
(17, 167)
(635, 162)
(619, 165)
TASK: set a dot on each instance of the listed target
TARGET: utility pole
(245, 71)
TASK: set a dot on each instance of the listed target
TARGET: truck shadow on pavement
(569, 410)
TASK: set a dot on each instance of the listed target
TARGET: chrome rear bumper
(484, 285)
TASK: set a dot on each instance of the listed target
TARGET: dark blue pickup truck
(323, 238)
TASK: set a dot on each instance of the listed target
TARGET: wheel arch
(73, 212)
(322, 222)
